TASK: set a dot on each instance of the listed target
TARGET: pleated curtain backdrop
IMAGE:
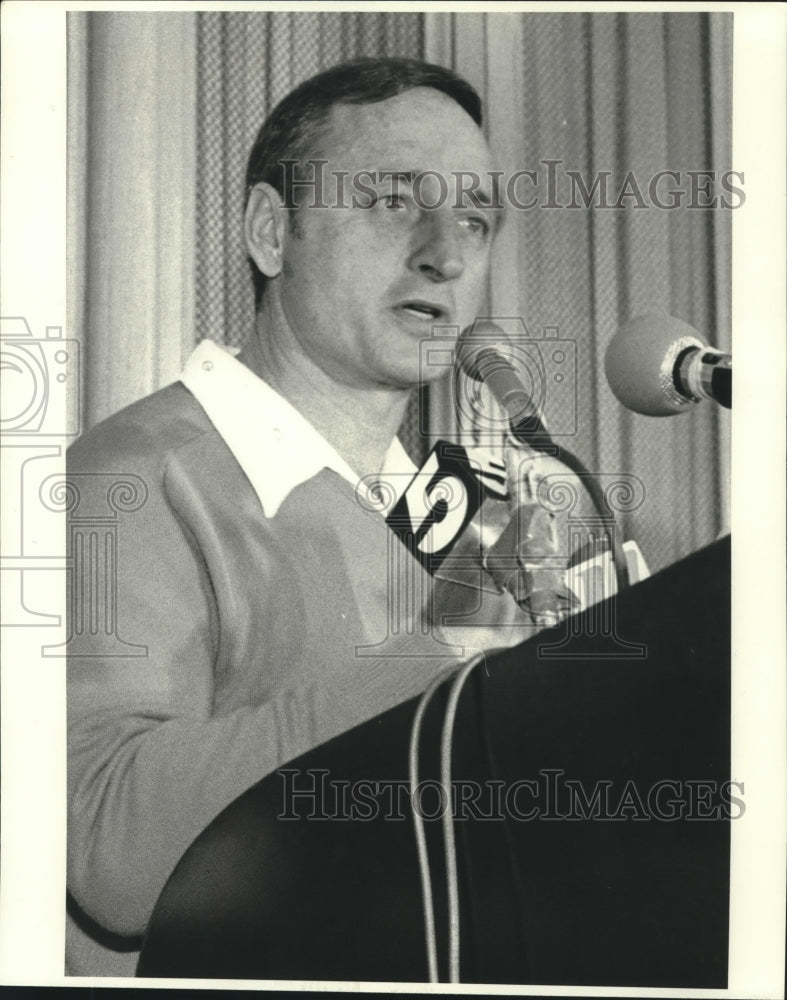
(162, 112)
(613, 92)
(130, 213)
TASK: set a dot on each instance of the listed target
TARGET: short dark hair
(293, 128)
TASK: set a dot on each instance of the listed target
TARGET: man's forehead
(421, 129)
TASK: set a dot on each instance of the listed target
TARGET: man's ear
(264, 227)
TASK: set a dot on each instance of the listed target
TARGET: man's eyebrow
(480, 199)
(407, 176)
(483, 200)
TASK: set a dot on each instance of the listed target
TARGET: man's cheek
(471, 301)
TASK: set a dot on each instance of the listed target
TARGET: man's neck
(359, 423)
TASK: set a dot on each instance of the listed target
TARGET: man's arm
(153, 752)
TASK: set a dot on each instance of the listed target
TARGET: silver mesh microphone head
(640, 364)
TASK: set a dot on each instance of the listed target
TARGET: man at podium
(253, 592)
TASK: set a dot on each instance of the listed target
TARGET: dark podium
(603, 860)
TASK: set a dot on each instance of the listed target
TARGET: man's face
(361, 287)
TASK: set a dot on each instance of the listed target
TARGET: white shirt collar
(275, 445)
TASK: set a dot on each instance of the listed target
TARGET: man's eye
(475, 224)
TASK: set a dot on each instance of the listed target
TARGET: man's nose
(438, 250)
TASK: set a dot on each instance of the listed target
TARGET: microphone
(522, 560)
(659, 366)
(481, 353)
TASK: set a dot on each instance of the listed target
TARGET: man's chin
(410, 378)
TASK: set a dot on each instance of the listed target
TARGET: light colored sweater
(262, 641)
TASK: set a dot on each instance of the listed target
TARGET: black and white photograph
(390, 593)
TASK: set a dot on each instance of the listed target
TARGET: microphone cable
(541, 442)
(477, 356)
(449, 839)
(418, 825)
(452, 877)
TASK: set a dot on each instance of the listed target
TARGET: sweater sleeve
(150, 763)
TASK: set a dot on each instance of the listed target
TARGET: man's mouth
(423, 310)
